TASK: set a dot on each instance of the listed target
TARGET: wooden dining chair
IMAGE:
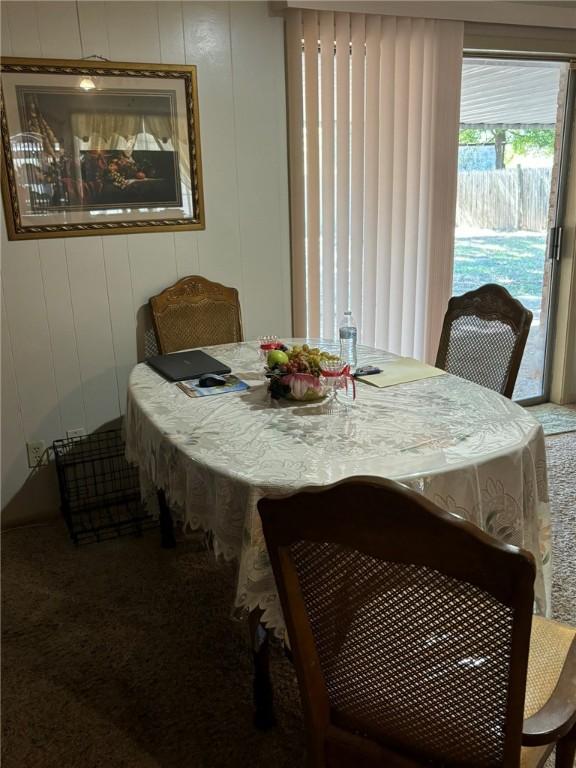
(413, 637)
(483, 338)
(195, 312)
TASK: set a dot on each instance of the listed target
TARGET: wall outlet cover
(37, 454)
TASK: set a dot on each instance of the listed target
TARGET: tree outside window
(510, 143)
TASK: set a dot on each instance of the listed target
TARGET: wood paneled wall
(70, 307)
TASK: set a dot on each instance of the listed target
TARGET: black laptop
(192, 364)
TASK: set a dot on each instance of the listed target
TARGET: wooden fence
(509, 199)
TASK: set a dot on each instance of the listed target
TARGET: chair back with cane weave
(403, 620)
(483, 338)
(195, 312)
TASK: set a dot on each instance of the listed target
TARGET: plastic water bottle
(348, 336)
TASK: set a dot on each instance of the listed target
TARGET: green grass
(514, 260)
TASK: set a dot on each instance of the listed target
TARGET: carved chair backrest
(195, 312)
(483, 338)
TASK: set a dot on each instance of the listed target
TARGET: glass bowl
(305, 387)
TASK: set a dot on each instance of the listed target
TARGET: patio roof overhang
(509, 94)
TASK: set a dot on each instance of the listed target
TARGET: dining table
(468, 449)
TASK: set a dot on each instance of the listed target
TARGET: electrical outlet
(79, 432)
(37, 454)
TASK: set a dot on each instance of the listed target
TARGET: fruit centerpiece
(296, 373)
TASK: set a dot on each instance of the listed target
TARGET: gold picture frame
(99, 148)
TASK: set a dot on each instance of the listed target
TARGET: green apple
(277, 357)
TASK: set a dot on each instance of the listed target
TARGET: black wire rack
(99, 490)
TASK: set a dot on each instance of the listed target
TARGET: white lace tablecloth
(466, 448)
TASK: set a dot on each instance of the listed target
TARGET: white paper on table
(401, 370)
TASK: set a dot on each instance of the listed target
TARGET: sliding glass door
(511, 156)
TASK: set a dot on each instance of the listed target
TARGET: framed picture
(99, 148)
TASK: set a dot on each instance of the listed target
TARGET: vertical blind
(373, 123)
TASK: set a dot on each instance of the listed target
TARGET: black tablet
(191, 364)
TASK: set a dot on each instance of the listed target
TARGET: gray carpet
(561, 458)
(124, 655)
